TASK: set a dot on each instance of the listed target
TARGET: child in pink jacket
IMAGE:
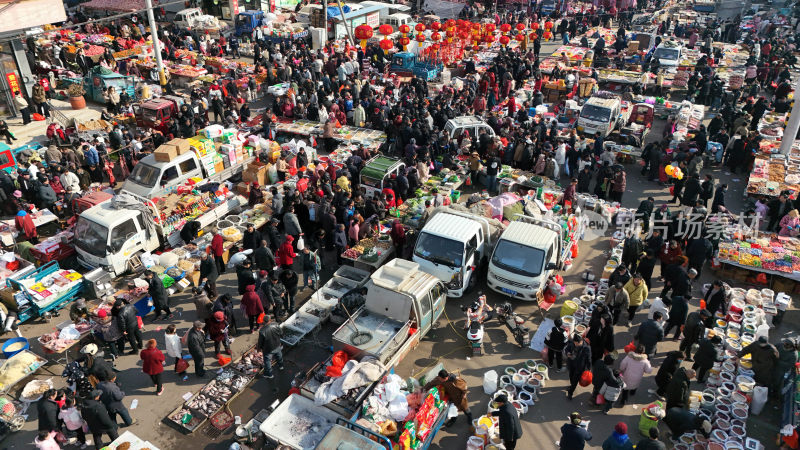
(46, 440)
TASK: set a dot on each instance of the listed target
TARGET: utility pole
(790, 133)
(344, 22)
(156, 43)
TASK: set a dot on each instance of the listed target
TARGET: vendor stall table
(40, 218)
(371, 265)
(19, 367)
(48, 288)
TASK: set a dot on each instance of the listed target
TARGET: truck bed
(298, 423)
(386, 335)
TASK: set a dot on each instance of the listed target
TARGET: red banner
(13, 82)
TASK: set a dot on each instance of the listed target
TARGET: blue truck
(405, 64)
(247, 21)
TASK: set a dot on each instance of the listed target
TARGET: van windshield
(144, 174)
(519, 259)
(666, 53)
(595, 113)
(439, 250)
(91, 237)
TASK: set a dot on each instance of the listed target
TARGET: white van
(668, 54)
(527, 252)
(473, 124)
(397, 19)
(599, 114)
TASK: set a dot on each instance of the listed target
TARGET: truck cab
(668, 54)
(107, 237)
(451, 246)
(247, 21)
(599, 115)
(402, 304)
(187, 18)
(527, 252)
(397, 19)
(455, 127)
(151, 178)
(156, 113)
(376, 174)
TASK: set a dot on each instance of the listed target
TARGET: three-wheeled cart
(46, 289)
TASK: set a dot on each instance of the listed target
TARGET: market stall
(767, 253)
(45, 289)
(21, 365)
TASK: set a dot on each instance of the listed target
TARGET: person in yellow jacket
(343, 183)
(637, 291)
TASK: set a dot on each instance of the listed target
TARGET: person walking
(47, 410)
(455, 388)
(195, 341)
(556, 341)
(217, 329)
(112, 398)
(618, 300)
(678, 390)
(633, 367)
(153, 364)
(218, 250)
(251, 304)
(269, 344)
(619, 439)
(286, 254)
(202, 304)
(667, 370)
(98, 420)
(128, 325)
(579, 360)
(600, 336)
(172, 342)
(155, 287)
(311, 267)
(289, 279)
(650, 333)
(692, 331)
(678, 312)
(637, 293)
(573, 434)
(709, 352)
(652, 442)
(508, 422)
(73, 422)
(208, 274)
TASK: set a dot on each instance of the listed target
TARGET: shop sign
(13, 82)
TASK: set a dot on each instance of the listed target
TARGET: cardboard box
(166, 153)
(256, 174)
(194, 277)
(633, 46)
(241, 187)
(183, 145)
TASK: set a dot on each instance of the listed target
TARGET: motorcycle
(475, 328)
(515, 324)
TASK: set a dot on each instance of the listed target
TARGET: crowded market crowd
(335, 89)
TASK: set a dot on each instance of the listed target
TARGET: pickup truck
(151, 178)
(401, 306)
(527, 252)
(111, 233)
(452, 245)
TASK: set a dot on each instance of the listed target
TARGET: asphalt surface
(445, 344)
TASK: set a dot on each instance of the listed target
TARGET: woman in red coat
(217, 329)
(218, 250)
(27, 230)
(286, 253)
(153, 364)
(251, 303)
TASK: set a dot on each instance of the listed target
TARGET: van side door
(436, 297)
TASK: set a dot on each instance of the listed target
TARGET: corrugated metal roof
(528, 234)
(451, 226)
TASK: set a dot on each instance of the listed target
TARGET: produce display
(53, 343)
(366, 246)
(769, 177)
(18, 367)
(767, 252)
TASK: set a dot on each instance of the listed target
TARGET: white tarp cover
(444, 9)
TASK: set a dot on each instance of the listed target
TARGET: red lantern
(489, 27)
(420, 38)
(548, 25)
(520, 37)
(435, 47)
(436, 37)
(505, 28)
(404, 41)
(476, 26)
(535, 26)
(450, 23)
(504, 40)
(547, 35)
(449, 34)
(464, 35)
(520, 26)
(533, 36)
(385, 29)
(386, 45)
(436, 26)
(488, 39)
(404, 28)
(363, 33)
(420, 27)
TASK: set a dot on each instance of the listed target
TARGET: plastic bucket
(568, 308)
(15, 345)
(475, 443)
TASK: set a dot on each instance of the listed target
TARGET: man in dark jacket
(691, 191)
(584, 179)
(244, 276)
(652, 443)
(692, 331)
(508, 422)
(678, 388)
(644, 211)
(155, 287)
(264, 258)
(715, 300)
(667, 370)
(196, 342)
(573, 435)
(48, 411)
(274, 235)
(681, 420)
(764, 357)
(251, 238)
(698, 251)
(128, 325)
(275, 292)
(208, 274)
(709, 351)
(650, 333)
(112, 397)
(579, 360)
(601, 373)
(678, 311)
(97, 419)
(269, 343)
(289, 279)
(632, 249)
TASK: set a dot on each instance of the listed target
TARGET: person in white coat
(632, 369)
(173, 345)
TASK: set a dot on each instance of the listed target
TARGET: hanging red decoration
(404, 28)
(505, 28)
(450, 23)
(535, 26)
(548, 25)
(386, 45)
(504, 40)
(436, 37)
(464, 35)
(476, 26)
(436, 26)
(520, 37)
(363, 33)
(533, 36)
(547, 35)
(489, 27)
(420, 27)
(385, 29)
(488, 39)
(404, 41)
(420, 38)
(520, 26)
